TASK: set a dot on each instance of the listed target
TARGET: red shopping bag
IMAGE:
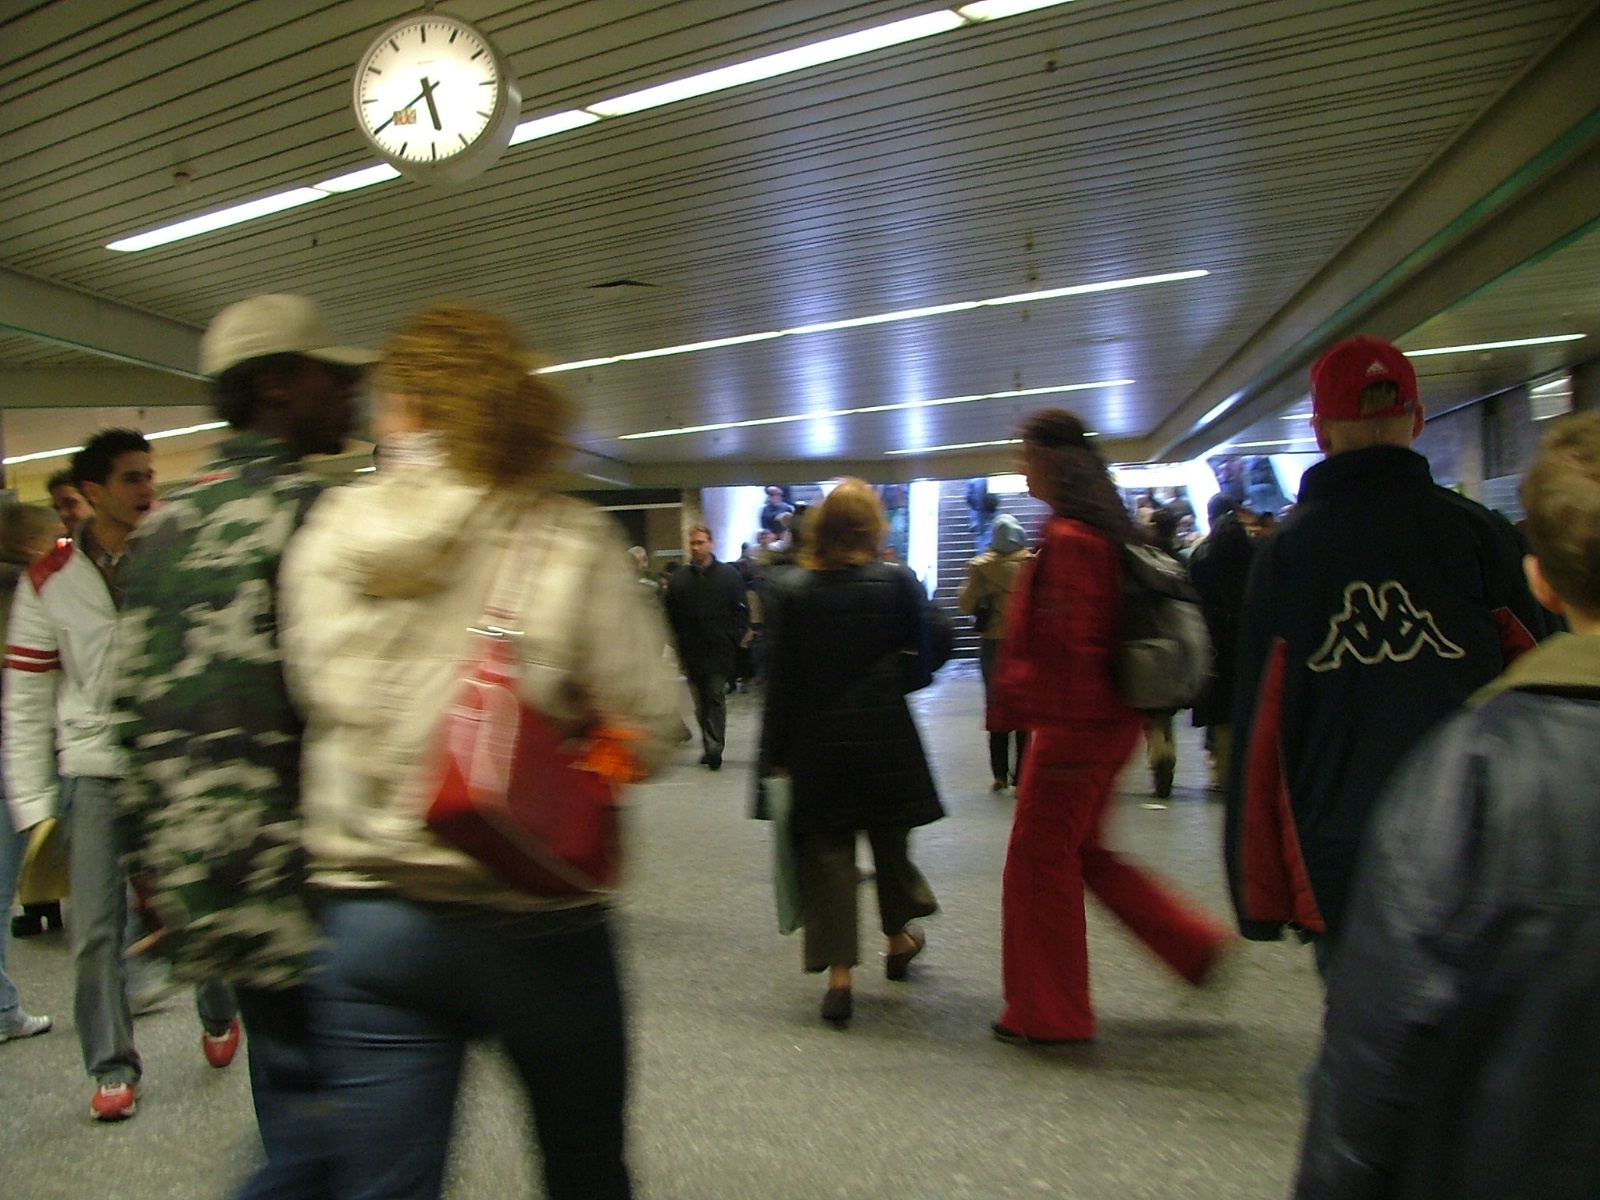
(537, 809)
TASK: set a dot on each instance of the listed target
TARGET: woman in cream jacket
(426, 946)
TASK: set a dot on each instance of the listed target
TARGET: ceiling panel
(1091, 141)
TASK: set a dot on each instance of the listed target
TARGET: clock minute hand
(433, 109)
(409, 104)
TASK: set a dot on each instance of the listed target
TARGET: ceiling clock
(435, 98)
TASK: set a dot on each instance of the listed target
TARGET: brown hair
(498, 424)
(1561, 496)
(1076, 482)
(846, 530)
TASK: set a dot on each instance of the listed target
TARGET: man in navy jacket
(1464, 1012)
(1373, 612)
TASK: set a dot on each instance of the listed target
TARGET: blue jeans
(404, 986)
(12, 846)
(290, 1110)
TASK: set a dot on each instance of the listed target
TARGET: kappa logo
(1380, 624)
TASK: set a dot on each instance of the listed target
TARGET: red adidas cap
(1339, 376)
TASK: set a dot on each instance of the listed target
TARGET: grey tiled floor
(740, 1090)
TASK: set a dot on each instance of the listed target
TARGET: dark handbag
(982, 614)
(512, 791)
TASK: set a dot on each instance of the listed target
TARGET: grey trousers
(99, 914)
(828, 886)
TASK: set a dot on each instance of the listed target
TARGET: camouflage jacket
(211, 811)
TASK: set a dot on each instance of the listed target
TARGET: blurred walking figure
(1218, 568)
(1463, 1017)
(62, 757)
(851, 635)
(1161, 751)
(27, 533)
(710, 617)
(984, 597)
(212, 814)
(426, 947)
(1054, 679)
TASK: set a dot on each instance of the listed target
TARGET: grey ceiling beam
(97, 387)
(1517, 184)
(66, 316)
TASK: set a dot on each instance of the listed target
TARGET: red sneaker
(220, 1048)
(113, 1102)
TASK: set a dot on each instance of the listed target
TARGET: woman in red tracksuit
(1054, 679)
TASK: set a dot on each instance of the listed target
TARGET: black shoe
(895, 966)
(1163, 773)
(704, 759)
(1012, 1038)
(836, 1005)
(25, 925)
(714, 762)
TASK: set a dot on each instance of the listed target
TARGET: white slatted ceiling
(1248, 138)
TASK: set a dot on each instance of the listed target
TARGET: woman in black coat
(850, 638)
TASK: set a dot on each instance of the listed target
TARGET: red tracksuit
(1054, 678)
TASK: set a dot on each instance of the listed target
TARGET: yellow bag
(44, 876)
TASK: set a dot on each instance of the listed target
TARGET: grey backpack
(1164, 659)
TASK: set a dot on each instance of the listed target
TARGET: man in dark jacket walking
(1373, 612)
(706, 607)
(1464, 1017)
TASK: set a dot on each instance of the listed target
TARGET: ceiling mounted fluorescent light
(767, 67)
(783, 63)
(151, 437)
(559, 122)
(1217, 411)
(957, 446)
(1511, 345)
(907, 314)
(827, 414)
(251, 210)
(994, 10)
(238, 214)
(354, 180)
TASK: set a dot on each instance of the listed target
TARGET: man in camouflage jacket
(211, 814)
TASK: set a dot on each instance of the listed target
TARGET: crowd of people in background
(230, 707)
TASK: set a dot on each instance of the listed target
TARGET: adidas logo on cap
(1377, 368)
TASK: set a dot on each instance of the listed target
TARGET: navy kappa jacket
(1374, 611)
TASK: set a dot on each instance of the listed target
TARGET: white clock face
(427, 91)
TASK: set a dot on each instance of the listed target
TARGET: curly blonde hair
(468, 375)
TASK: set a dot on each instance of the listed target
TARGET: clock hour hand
(433, 109)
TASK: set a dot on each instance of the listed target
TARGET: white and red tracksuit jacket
(58, 682)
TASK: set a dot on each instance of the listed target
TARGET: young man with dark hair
(58, 677)
(1379, 606)
(709, 615)
(214, 810)
(65, 498)
(1464, 1017)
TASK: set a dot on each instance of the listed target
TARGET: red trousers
(1054, 853)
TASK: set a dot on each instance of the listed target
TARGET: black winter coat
(1371, 614)
(1462, 1051)
(846, 646)
(709, 615)
(1218, 568)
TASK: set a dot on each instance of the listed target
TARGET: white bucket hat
(264, 325)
